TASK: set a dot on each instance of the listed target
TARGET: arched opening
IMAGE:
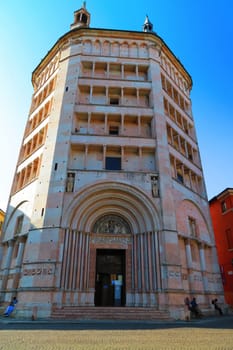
(111, 247)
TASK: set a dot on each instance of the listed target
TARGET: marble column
(188, 253)
(203, 265)
(7, 265)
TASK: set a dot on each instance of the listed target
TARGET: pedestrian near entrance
(187, 311)
(195, 308)
(11, 307)
(216, 306)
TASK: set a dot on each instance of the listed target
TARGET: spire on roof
(81, 17)
(147, 26)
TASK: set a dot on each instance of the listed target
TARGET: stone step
(109, 313)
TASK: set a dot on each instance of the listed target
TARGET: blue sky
(200, 34)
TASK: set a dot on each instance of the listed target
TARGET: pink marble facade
(121, 97)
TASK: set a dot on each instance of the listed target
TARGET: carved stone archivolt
(111, 224)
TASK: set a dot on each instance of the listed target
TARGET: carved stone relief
(111, 224)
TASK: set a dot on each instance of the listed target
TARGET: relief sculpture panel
(111, 224)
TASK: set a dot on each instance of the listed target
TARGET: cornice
(111, 33)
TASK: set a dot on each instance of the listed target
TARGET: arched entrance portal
(111, 238)
(110, 263)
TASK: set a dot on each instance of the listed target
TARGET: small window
(113, 163)
(19, 224)
(84, 18)
(114, 101)
(180, 178)
(190, 156)
(113, 130)
(229, 236)
(223, 206)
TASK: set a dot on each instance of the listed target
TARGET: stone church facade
(108, 205)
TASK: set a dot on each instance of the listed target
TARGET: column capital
(11, 242)
(202, 245)
(21, 239)
(187, 240)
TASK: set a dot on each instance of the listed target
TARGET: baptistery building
(108, 208)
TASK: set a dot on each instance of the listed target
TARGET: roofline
(2, 211)
(228, 189)
(153, 34)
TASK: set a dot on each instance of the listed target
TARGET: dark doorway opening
(110, 277)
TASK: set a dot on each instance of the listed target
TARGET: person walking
(11, 307)
(194, 308)
(216, 306)
(187, 309)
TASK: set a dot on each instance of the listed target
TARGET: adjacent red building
(221, 210)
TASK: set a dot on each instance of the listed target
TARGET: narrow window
(223, 206)
(180, 177)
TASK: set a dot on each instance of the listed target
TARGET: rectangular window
(113, 130)
(114, 101)
(113, 163)
(19, 224)
(229, 236)
(180, 178)
(223, 206)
